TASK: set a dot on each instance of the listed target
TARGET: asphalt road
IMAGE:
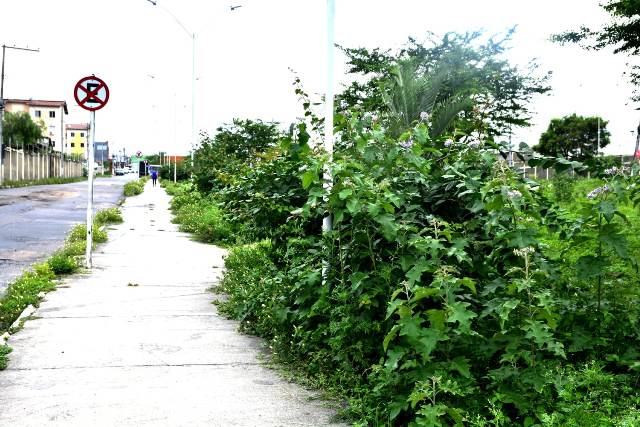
(34, 221)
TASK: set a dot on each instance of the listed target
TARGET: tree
(409, 95)
(19, 130)
(622, 34)
(467, 69)
(234, 148)
(574, 137)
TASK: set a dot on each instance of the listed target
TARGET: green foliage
(4, 351)
(62, 263)
(182, 171)
(466, 68)
(108, 216)
(573, 137)
(442, 304)
(231, 152)
(19, 130)
(450, 291)
(79, 234)
(202, 217)
(563, 185)
(24, 291)
(46, 181)
(253, 294)
(133, 188)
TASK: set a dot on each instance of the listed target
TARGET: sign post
(91, 93)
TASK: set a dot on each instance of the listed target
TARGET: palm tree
(411, 95)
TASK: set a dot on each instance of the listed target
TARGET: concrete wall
(25, 166)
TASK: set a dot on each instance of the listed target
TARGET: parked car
(119, 171)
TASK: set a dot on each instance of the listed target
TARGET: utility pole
(4, 48)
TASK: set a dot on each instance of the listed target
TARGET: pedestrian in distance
(154, 176)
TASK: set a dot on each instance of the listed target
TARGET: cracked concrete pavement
(138, 342)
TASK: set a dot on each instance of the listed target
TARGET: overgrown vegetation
(28, 288)
(450, 291)
(133, 188)
(46, 181)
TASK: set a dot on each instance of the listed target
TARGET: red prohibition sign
(91, 93)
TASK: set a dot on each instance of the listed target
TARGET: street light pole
(4, 48)
(191, 35)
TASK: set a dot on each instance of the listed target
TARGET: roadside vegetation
(30, 288)
(451, 290)
(133, 188)
(46, 181)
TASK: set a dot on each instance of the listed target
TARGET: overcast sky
(244, 57)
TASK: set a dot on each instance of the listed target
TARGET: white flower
(512, 194)
(343, 104)
(474, 143)
(524, 251)
(424, 116)
(407, 144)
(448, 143)
(594, 193)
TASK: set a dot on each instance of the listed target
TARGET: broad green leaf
(461, 365)
(460, 314)
(590, 266)
(390, 336)
(308, 178)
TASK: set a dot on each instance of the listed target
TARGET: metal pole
(598, 152)
(92, 134)
(2, 116)
(193, 100)
(328, 114)
(327, 177)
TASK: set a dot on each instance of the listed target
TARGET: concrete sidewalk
(138, 343)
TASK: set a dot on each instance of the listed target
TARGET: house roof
(39, 103)
(77, 126)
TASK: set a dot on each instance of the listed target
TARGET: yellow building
(49, 115)
(77, 136)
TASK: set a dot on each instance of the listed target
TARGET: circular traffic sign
(91, 93)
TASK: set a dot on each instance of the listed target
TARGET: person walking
(154, 176)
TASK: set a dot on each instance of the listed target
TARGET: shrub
(62, 263)
(108, 216)
(563, 185)
(79, 234)
(133, 188)
(4, 351)
(24, 291)
(203, 218)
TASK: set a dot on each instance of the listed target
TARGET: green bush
(133, 188)
(4, 351)
(203, 218)
(108, 216)
(79, 234)
(563, 185)
(24, 291)
(441, 304)
(62, 263)
(248, 284)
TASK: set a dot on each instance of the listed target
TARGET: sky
(246, 59)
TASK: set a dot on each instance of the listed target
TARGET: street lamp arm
(175, 18)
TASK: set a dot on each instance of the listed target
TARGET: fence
(21, 165)
(534, 172)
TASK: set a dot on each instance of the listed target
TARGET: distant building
(77, 136)
(49, 115)
(101, 153)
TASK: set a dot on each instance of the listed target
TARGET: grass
(46, 181)
(133, 188)
(27, 289)
(4, 351)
